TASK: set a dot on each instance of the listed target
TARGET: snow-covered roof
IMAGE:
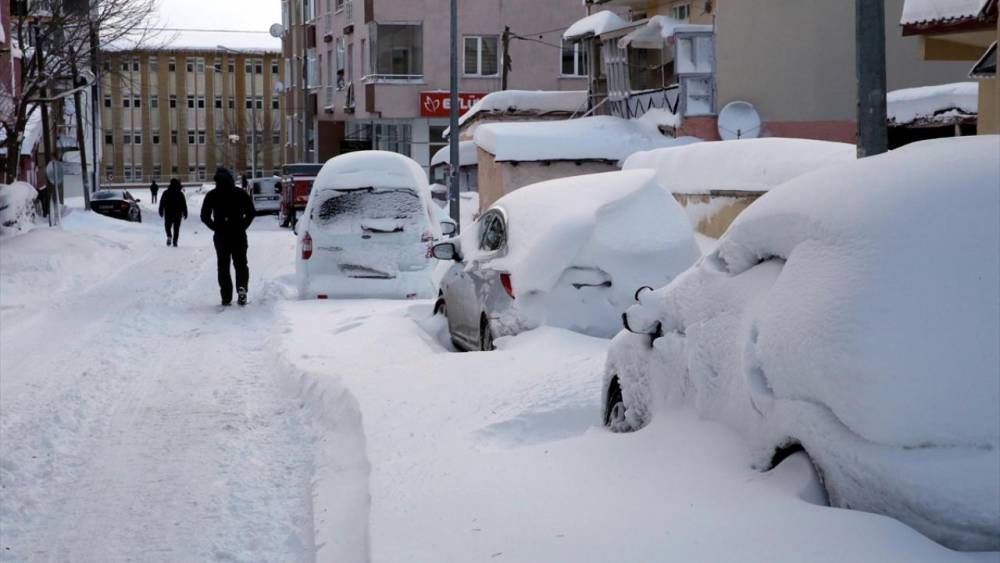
(590, 138)
(986, 66)
(660, 28)
(922, 11)
(535, 102)
(595, 24)
(600, 220)
(932, 103)
(194, 40)
(754, 165)
(468, 154)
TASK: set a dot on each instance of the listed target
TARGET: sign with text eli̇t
(438, 104)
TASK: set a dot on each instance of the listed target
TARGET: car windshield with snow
(819, 324)
(366, 229)
(567, 253)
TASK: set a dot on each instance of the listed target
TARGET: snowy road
(139, 420)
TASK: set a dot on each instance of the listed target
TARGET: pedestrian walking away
(154, 189)
(173, 208)
(244, 183)
(228, 212)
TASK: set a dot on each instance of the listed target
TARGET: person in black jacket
(154, 189)
(173, 207)
(228, 211)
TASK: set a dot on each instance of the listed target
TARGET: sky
(244, 15)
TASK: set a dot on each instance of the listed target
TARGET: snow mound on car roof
(379, 169)
(620, 222)
(887, 310)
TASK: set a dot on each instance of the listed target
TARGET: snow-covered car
(367, 229)
(853, 313)
(116, 203)
(266, 194)
(568, 253)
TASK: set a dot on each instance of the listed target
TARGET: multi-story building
(366, 74)
(793, 61)
(204, 100)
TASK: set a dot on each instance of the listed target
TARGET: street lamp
(253, 108)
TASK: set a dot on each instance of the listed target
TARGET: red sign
(438, 104)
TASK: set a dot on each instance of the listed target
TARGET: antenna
(277, 30)
(739, 120)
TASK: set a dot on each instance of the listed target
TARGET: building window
(397, 50)
(125, 66)
(127, 138)
(172, 65)
(201, 102)
(276, 137)
(173, 101)
(137, 138)
(275, 104)
(173, 170)
(219, 136)
(260, 103)
(481, 56)
(109, 138)
(173, 141)
(248, 67)
(156, 172)
(201, 137)
(128, 173)
(190, 100)
(201, 172)
(341, 52)
(437, 141)
(574, 59)
(218, 102)
(231, 67)
(156, 137)
(249, 103)
(191, 136)
(126, 102)
(137, 102)
(200, 62)
(682, 12)
(394, 137)
(154, 102)
(107, 101)
(154, 64)
(135, 65)
(190, 65)
(232, 102)
(274, 67)
(137, 174)
(217, 66)
(258, 67)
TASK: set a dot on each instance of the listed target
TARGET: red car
(296, 183)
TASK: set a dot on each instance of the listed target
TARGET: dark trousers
(171, 224)
(231, 248)
(152, 193)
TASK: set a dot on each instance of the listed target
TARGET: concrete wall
(499, 178)
(795, 61)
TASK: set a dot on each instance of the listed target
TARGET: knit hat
(224, 179)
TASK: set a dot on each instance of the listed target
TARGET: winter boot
(169, 242)
(241, 296)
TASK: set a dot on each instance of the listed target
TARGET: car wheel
(133, 215)
(440, 308)
(615, 410)
(485, 336)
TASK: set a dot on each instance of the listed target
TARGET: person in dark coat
(173, 207)
(154, 189)
(228, 212)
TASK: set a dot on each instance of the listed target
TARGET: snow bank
(468, 155)
(595, 24)
(589, 138)
(17, 207)
(754, 165)
(932, 102)
(658, 29)
(919, 11)
(618, 222)
(536, 102)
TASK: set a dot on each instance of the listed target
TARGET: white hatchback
(367, 229)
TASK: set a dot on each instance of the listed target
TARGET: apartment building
(367, 74)
(204, 100)
(793, 61)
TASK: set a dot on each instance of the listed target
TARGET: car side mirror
(137, 200)
(654, 331)
(445, 251)
(641, 290)
(448, 228)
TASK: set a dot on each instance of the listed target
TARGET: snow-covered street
(153, 425)
(139, 420)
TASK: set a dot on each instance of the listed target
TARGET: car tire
(615, 410)
(440, 307)
(485, 336)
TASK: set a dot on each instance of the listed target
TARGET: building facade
(181, 111)
(793, 61)
(369, 74)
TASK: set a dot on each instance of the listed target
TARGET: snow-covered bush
(17, 207)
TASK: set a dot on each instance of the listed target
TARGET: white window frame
(677, 8)
(479, 55)
(578, 62)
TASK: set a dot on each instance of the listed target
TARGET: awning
(658, 29)
(987, 65)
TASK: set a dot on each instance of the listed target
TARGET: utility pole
(506, 61)
(95, 112)
(870, 62)
(454, 161)
(80, 137)
(54, 211)
(253, 117)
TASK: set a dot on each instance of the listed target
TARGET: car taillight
(507, 286)
(307, 247)
(124, 205)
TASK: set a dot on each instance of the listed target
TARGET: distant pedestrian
(228, 211)
(173, 207)
(244, 183)
(154, 189)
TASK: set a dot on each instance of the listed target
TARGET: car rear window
(108, 195)
(373, 210)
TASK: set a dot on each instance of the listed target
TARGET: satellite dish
(739, 120)
(277, 30)
(279, 87)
